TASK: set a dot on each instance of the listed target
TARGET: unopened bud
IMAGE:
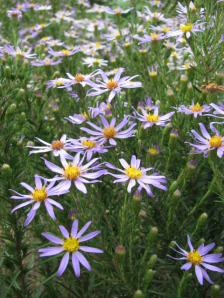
(136, 202)
(6, 170)
(138, 294)
(219, 250)
(56, 75)
(20, 94)
(11, 110)
(149, 276)
(22, 117)
(190, 73)
(200, 241)
(191, 168)
(29, 143)
(1, 90)
(152, 234)
(152, 261)
(189, 276)
(25, 64)
(140, 106)
(171, 97)
(136, 240)
(25, 49)
(202, 219)
(7, 72)
(108, 114)
(183, 83)
(120, 253)
(175, 198)
(219, 78)
(173, 139)
(215, 291)
(173, 186)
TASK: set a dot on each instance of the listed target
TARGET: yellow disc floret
(79, 78)
(89, 144)
(187, 27)
(71, 244)
(153, 151)
(66, 52)
(215, 141)
(109, 132)
(195, 257)
(112, 84)
(39, 194)
(196, 108)
(57, 145)
(133, 173)
(154, 36)
(72, 172)
(152, 118)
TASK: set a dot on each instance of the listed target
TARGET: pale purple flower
(155, 15)
(18, 53)
(22, 6)
(14, 13)
(133, 173)
(64, 52)
(71, 244)
(59, 83)
(207, 143)
(80, 78)
(46, 62)
(153, 150)
(156, 3)
(186, 29)
(218, 110)
(150, 119)
(58, 147)
(196, 110)
(112, 85)
(199, 257)
(76, 172)
(117, 11)
(90, 61)
(39, 194)
(109, 132)
(99, 109)
(78, 118)
(153, 37)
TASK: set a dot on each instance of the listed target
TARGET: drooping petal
(50, 252)
(22, 205)
(76, 266)
(83, 260)
(50, 210)
(80, 186)
(212, 268)
(64, 264)
(199, 274)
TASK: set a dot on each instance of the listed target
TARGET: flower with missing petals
(133, 173)
(109, 132)
(198, 258)
(39, 194)
(46, 62)
(64, 52)
(71, 244)
(196, 110)
(18, 52)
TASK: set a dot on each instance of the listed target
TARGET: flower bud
(191, 168)
(218, 250)
(3, 60)
(22, 117)
(190, 73)
(189, 276)
(215, 291)
(7, 72)
(202, 219)
(173, 186)
(149, 276)
(136, 201)
(56, 75)
(139, 107)
(173, 139)
(170, 97)
(152, 234)
(25, 64)
(11, 110)
(183, 83)
(152, 261)
(120, 253)
(20, 94)
(6, 170)
(175, 198)
(219, 78)
(29, 143)
(138, 294)
(136, 240)
(200, 241)
(108, 114)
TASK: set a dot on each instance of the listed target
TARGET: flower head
(195, 109)
(71, 244)
(199, 257)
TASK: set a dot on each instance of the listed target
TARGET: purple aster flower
(64, 52)
(71, 244)
(117, 11)
(80, 78)
(18, 53)
(185, 30)
(207, 143)
(153, 149)
(199, 257)
(99, 109)
(58, 147)
(89, 146)
(157, 3)
(218, 110)
(39, 194)
(78, 118)
(156, 16)
(150, 119)
(113, 85)
(46, 62)
(14, 13)
(133, 174)
(196, 110)
(22, 6)
(76, 172)
(153, 37)
(59, 83)
(109, 132)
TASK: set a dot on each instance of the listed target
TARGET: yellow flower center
(85, 115)
(66, 52)
(193, 9)
(142, 51)
(20, 55)
(215, 141)
(112, 84)
(187, 27)
(156, 15)
(98, 44)
(72, 172)
(157, 2)
(133, 173)
(58, 83)
(42, 25)
(109, 132)
(19, 7)
(195, 257)
(165, 29)
(79, 78)
(47, 62)
(148, 107)
(117, 12)
(153, 151)
(154, 36)
(96, 61)
(152, 118)
(39, 194)
(196, 108)
(71, 244)
(57, 145)
(89, 144)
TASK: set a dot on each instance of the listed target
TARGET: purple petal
(53, 238)
(64, 231)
(83, 260)
(27, 186)
(22, 205)
(91, 249)
(30, 217)
(212, 268)
(204, 131)
(75, 228)
(199, 274)
(80, 186)
(207, 248)
(83, 229)
(189, 243)
(55, 203)
(205, 275)
(38, 181)
(76, 266)
(213, 258)
(50, 210)
(131, 184)
(89, 236)
(64, 264)
(51, 252)
(186, 266)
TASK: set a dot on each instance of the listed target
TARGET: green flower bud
(189, 276)
(25, 64)
(173, 139)
(170, 97)
(9, 244)
(136, 202)
(25, 49)
(29, 143)
(138, 294)
(200, 241)
(3, 60)
(120, 253)
(219, 250)
(56, 75)
(190, 73)
(20, 94)
(7, 72)
(153, 234)
(152, 261)
(22, 117)
(202, 219)
(11, 110)
(135, 240)
(191, 168)
(215, 291)
(183, 84)
(173, 186)
(219, 78)
(149, 276)
(175, 198)
(6, 170)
